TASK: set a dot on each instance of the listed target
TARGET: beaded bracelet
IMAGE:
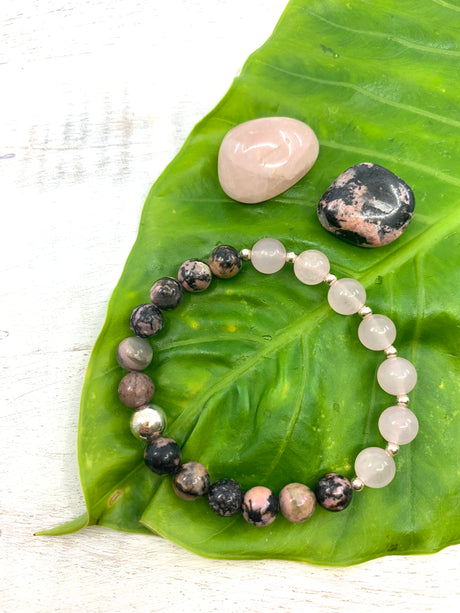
(374, 466)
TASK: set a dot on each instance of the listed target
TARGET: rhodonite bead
(166, 293)
(134, 353)
(397, 376)
(162, 456)
(148, 422)
(191, 481)
(334, 492)
(367, 205)
(225, 497)
(146, 320)
(297, 502)
(398, 425)
(136, 389)
(377, 332)
(194, 275)
(268, 255)
(260, 506)
(311, 267)
(346, 296)
(225, 262)
(263, 157)
(375, 467)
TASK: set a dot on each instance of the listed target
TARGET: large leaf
(261, 381)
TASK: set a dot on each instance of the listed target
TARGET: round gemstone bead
(260, 506)
(134, 353)
(225, 497)
(194, 275)
(334, 492)
(191, 481)
(375, 467)
(377, 332)
(297, 502)
(268, 255)
(397, 376)
(146, 320)
(162, 456)
(225, 262)
(136, 389)
(398, 425)
(166, 293)
(311, 267)
(346, 296)
(148, 422)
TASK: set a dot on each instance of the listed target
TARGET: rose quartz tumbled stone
(262, 158)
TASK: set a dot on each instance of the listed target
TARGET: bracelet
(374, 466)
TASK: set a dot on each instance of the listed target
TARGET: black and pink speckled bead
(162, 456)
(136, 389)
(191, 481)
(225, 262)
(334, 492)
(225, 497)
(260, 506)
(166, 293)
(146, 320)
(194, 275)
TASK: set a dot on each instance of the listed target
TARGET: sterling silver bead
(364, 311)
(330, 279)
(403, 399)
(291, 257)
(245, 254)
(392, 449)
(148, 422)
(391, 352)
(357, 484)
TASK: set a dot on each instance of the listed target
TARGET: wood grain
(97, 97)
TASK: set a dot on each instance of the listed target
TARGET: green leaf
(261, 381)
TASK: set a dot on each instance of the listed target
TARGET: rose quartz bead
(398, 425)
(377, 332)
(346, 296)
(262, 158)
(375, 467)
(397, 376)
(297, 502)
(268, 255)
(311, 267)
(260, 506)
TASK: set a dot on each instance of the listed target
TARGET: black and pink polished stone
(260, 506)
(162, 456)
(146, 320)
(333, 492)
(367, 205)
(136, 389)
(194, 275)
(224, 262)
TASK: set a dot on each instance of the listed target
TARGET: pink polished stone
(262, 158)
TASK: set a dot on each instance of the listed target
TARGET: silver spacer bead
(291, 257)
(390, 351)
(392, 449)
(330, 279)
(365, 311)
(245, 254)
(403, 400)
(357, 484)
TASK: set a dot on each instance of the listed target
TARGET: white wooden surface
(96, 98)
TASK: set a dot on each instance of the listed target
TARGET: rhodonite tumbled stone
(261, 158)
(191, 481)
(194, 275)
(166, 293)
(297, 502)
(367, 205)
(224, 262)
(136, 389)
